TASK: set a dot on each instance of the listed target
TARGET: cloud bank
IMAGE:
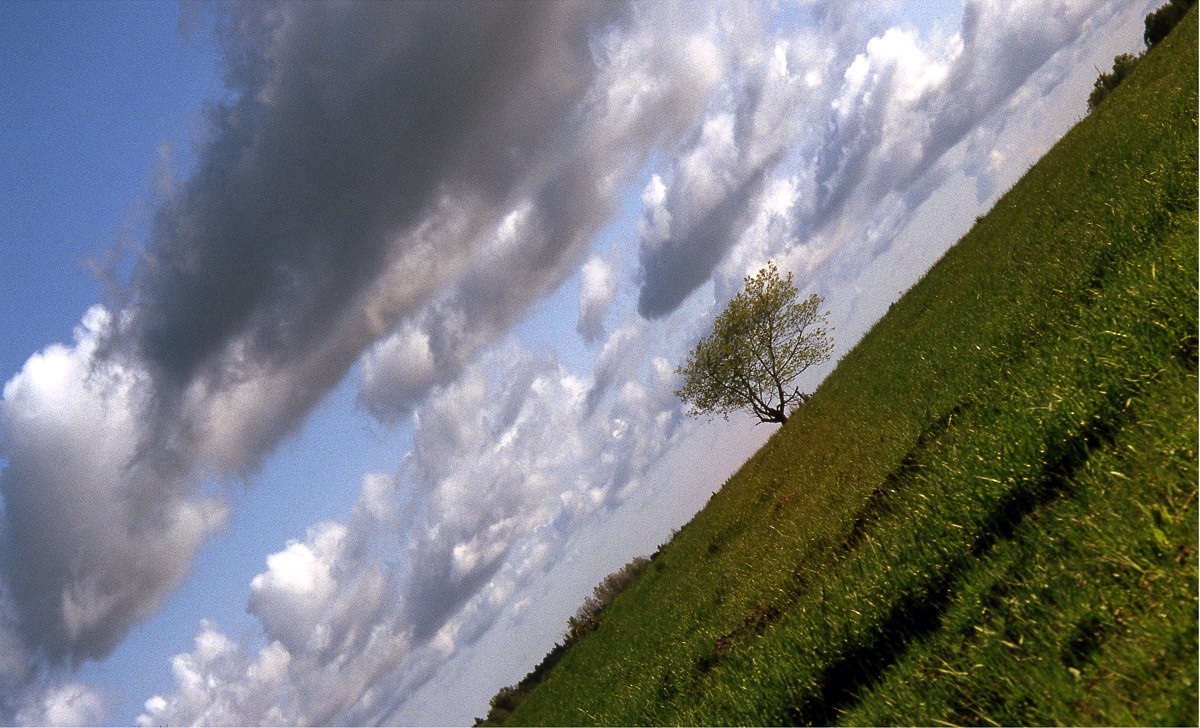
(377, 168)
(507, 462)
(856, 117)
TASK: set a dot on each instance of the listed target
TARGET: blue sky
(91, 92)
(339, 345)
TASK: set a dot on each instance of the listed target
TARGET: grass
(988, 513)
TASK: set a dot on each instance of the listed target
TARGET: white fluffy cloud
(98, 528)
(858, 118)
(70, 704)
(507, 462)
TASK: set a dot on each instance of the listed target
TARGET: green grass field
(988, 513)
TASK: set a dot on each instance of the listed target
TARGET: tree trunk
(776, 415)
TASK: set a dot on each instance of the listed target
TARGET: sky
(339, 339)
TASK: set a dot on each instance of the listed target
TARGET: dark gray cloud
(683, 262)
(708, 197)
(347, 126)
(645, 95)
(351, 127)
(775, 102)
(364, 153)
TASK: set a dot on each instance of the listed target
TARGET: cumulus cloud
(95, 535)
(859, 123)
(429, 178)
(507, 461)
(70, 704)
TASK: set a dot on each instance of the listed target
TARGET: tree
(759, 344)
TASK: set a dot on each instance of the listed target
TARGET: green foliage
(507, 698)
(759, 344)
(988, 513)
(1160, 22)
(1158, 25)
(1123, 64)
(586, 619)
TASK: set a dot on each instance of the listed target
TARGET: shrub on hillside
(1158, 25)
(1122, 66)
(1160, 22)
(587, 617)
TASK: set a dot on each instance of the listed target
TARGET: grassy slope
(987, 513)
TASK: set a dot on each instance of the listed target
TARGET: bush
(1158, 25)
(1123, 65)
(587, 617)
(1160, 22)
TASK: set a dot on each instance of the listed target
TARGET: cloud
(70, 704)
(343, 191)
(597, 289)
(858, 120)
(95, 535)
(645, 94)
(770, 100)
(692, 217)
(375, 169)
(968, 88)
(218, 661)
(507, 461)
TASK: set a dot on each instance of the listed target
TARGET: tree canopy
(760, 343)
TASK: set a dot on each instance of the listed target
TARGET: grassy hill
(988, 513)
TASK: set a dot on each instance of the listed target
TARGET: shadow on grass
(920, 611)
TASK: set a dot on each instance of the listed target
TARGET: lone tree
(759, 344)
